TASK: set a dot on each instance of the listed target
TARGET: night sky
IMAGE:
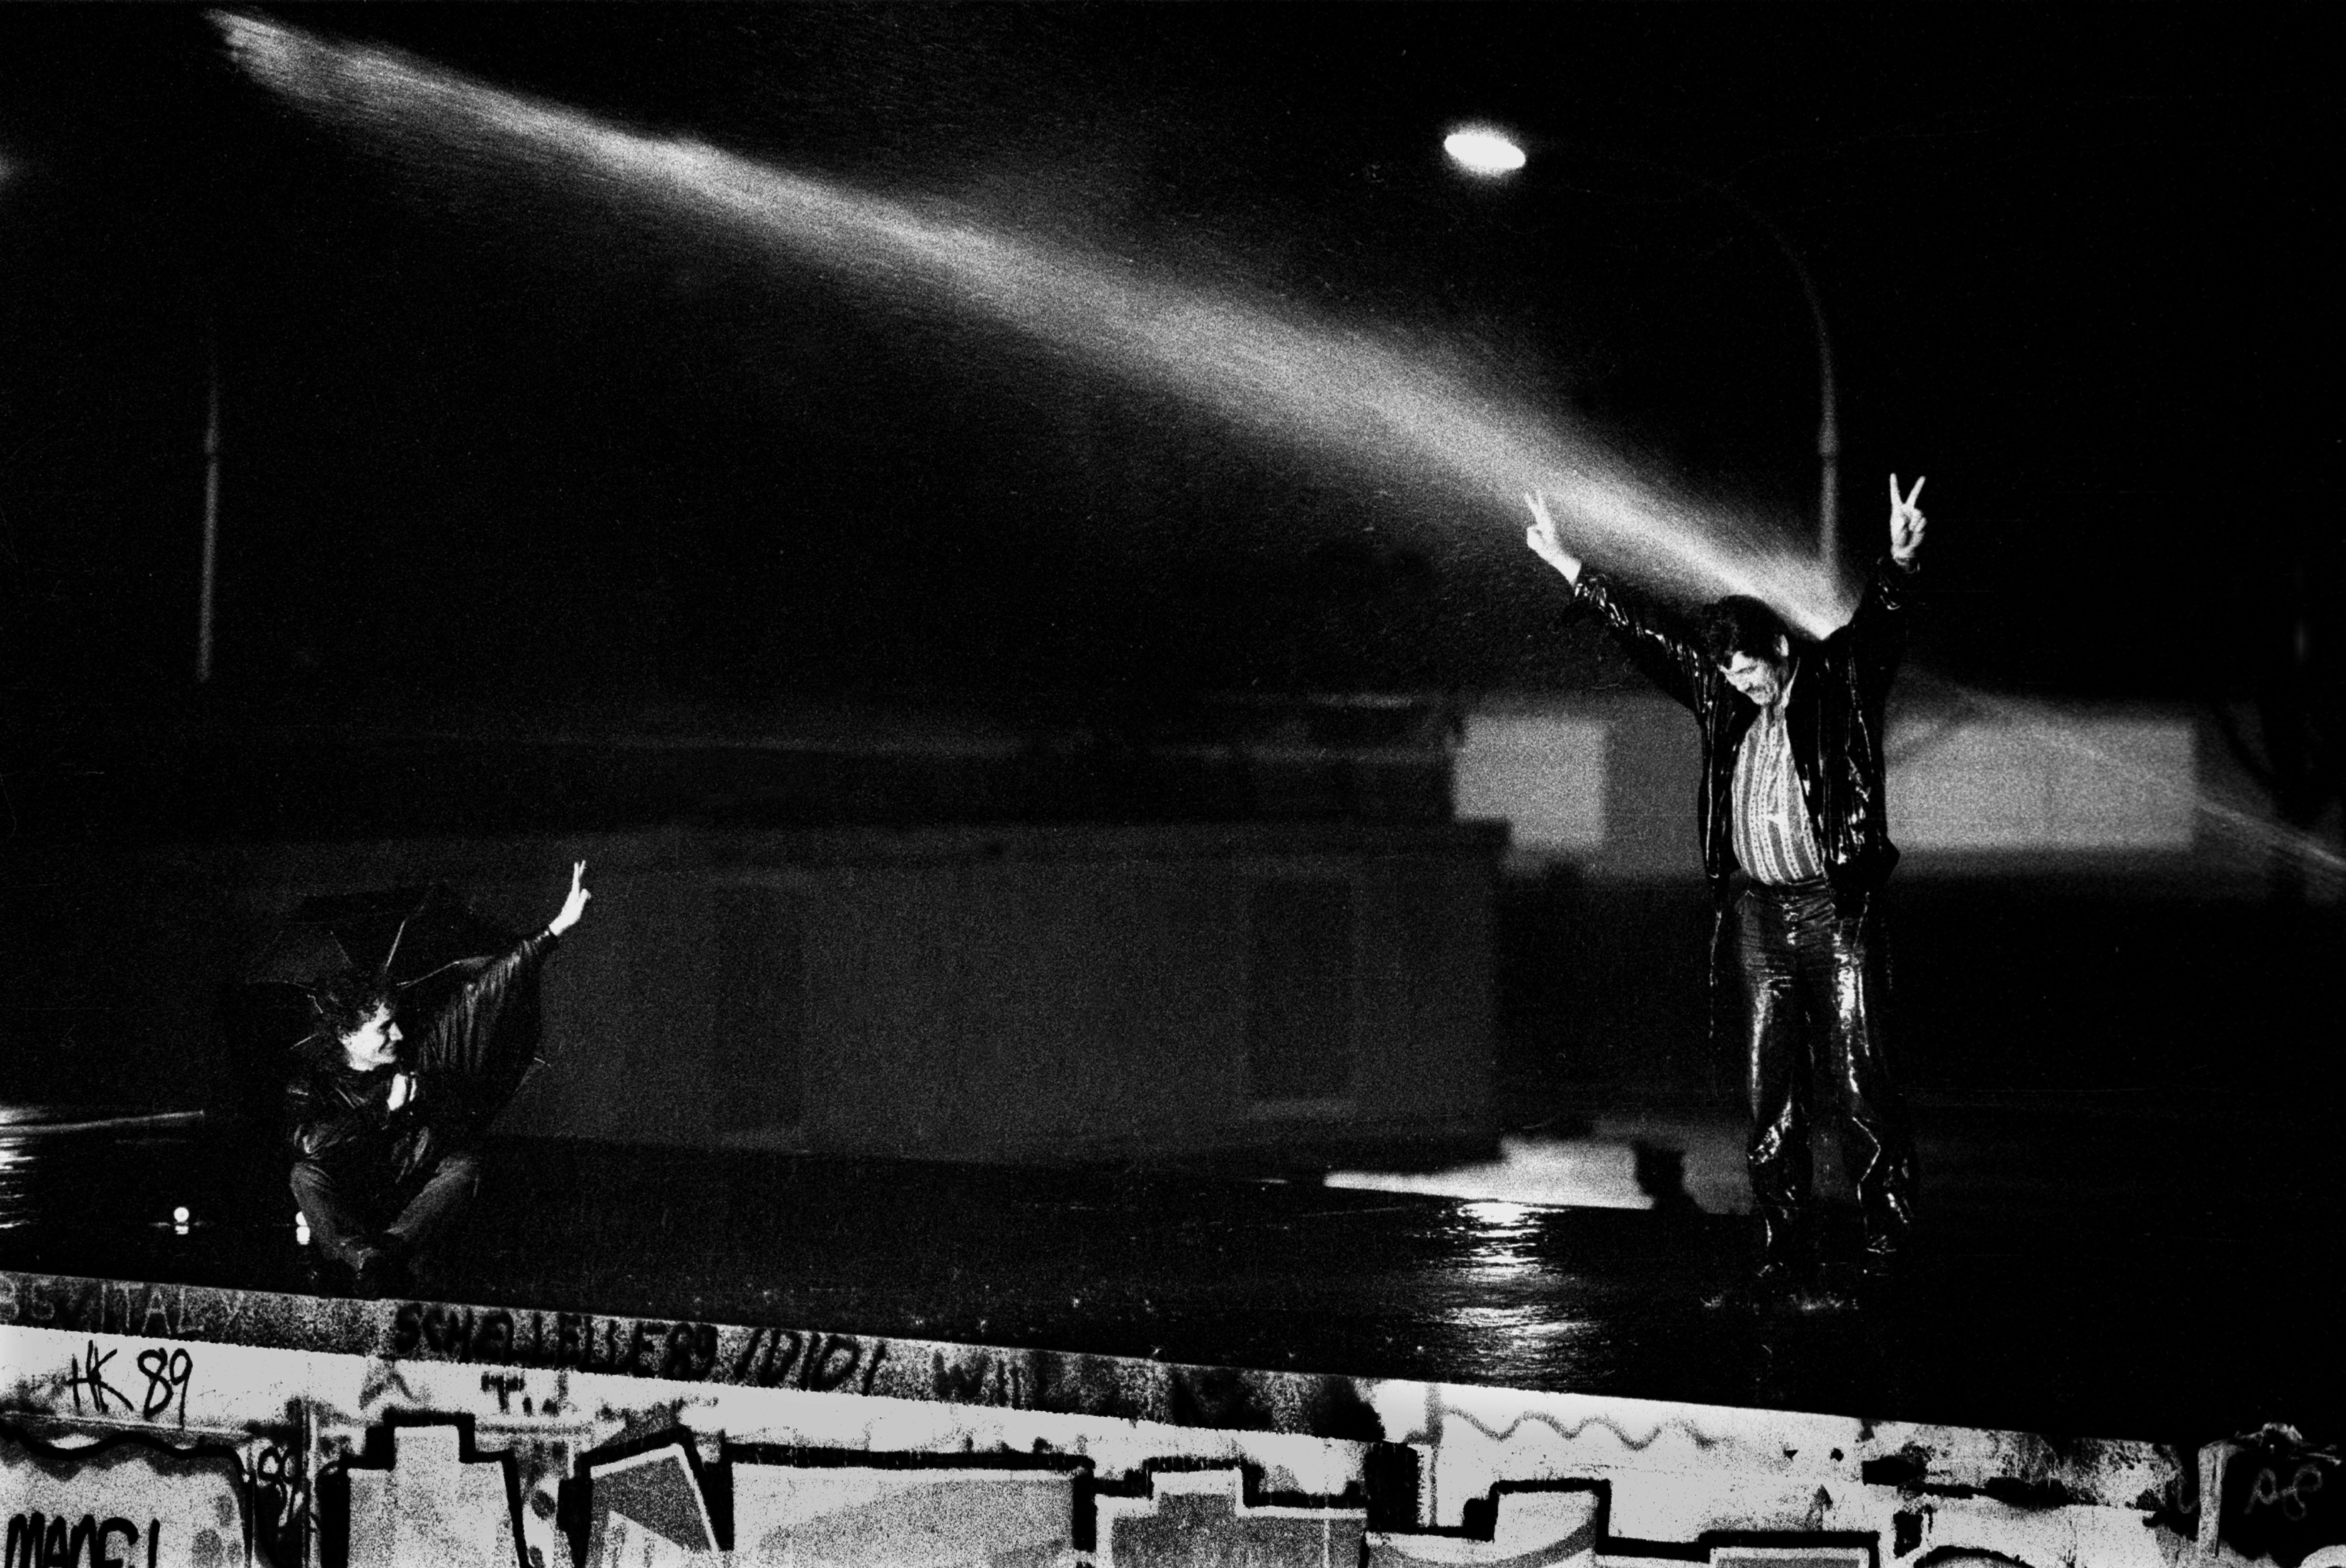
(489, 432)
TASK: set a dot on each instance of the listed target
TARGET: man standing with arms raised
(1796, 844)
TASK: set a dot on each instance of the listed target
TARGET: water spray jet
(1362, 398)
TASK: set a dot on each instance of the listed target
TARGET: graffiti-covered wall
(172, 1425)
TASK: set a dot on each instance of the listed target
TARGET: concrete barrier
(174, 1424)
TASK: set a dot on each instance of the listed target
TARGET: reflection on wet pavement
(1589, 1173)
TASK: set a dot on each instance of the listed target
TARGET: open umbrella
(406, 934)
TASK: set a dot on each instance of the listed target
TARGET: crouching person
(384, 1113)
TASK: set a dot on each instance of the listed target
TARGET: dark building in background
(926, 940)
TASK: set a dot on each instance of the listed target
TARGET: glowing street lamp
(1481, 150)
(1489, 153)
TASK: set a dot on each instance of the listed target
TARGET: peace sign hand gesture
(1905, 523)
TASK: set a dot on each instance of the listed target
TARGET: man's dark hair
(345, 1002)
(1740, 624)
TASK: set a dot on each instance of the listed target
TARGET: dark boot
(380, 1272)
(1886, 1261)
(1787, 1249)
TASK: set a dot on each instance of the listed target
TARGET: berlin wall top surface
(2004, 1331)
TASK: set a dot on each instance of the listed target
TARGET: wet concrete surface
(2064, 1315)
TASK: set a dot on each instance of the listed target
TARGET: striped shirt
(1771, 824)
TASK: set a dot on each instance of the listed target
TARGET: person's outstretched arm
(1666, 657)
(458, 1040)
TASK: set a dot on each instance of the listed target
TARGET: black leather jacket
(1833, 714)
(462, 1057)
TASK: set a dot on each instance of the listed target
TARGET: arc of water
(1351, 394)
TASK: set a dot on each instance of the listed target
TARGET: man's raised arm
(1878, 625)
(1669, 659)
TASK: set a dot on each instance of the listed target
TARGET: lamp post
(207, 574)
(1490, 153)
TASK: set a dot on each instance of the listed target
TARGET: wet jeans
(1816, 987)
(342, 1221)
